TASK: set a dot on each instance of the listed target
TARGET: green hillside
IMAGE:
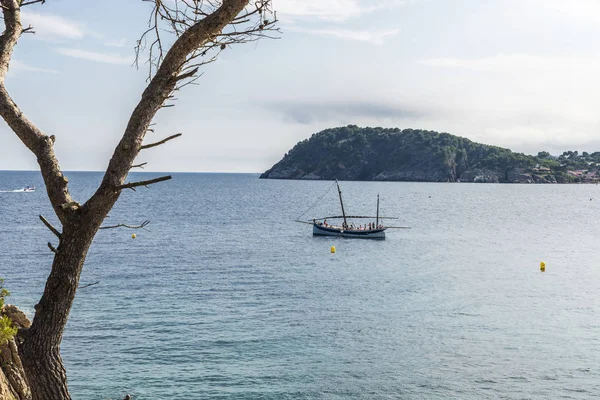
(354, 153)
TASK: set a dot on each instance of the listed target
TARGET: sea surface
(223, 296)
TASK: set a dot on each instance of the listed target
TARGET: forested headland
(384, 154)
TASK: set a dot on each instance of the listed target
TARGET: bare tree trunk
(46, 375)
(40, 351)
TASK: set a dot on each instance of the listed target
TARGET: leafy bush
(7, 330)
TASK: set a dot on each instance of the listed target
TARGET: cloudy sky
(524, 74)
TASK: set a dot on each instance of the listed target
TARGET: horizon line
(137, 172)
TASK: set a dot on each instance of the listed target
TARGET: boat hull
(320, 230)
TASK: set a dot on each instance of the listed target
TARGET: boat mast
(377, 217)
(342, 203)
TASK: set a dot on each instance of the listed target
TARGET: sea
(224, 296)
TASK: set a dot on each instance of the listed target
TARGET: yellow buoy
(133, 236)
(332, 249)
(542, 266)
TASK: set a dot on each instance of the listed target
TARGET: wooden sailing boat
(371, 230)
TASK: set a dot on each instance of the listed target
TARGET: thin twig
(88, 285)
(142, 226)
(178, 16)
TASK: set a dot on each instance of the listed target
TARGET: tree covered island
(383, 154)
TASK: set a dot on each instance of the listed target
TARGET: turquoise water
(224, 297)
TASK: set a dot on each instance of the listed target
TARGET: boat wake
(24, 190)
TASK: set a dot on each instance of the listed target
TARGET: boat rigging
(371, 230)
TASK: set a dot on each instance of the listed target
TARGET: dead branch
(30, 2)
(52, 248)
(27, 3)
(142, 226)
(139, 165)
(202, 29)
(147, 146)
(49, 226)
(88, 285)
(133, 185)
(176, 17)
(187, 74)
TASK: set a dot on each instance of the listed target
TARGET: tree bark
(40, 350)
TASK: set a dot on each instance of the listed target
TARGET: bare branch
(133, 185)
(203, 28)
(139, 165)
(88, 285)
(39, 144)
(188, 74)
(30, 2)
(176, 17)
(142, 226)
(52, 248)
(49, 226)
(147, 146)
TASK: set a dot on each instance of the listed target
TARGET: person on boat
(325, 222)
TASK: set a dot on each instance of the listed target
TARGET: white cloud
(503, 63)
(518, 100)
(97, 57)
(52, 26)
(17, 65)
(585, 10)
(333, 10)
(116, 43)
(325, 9)
(376, 37)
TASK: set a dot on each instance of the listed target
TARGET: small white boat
(26, 189)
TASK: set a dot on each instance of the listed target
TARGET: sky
(522, 74)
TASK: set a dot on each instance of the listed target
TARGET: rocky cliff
(13, 385)
(353, 153)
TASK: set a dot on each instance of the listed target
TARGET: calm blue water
(223, 297)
